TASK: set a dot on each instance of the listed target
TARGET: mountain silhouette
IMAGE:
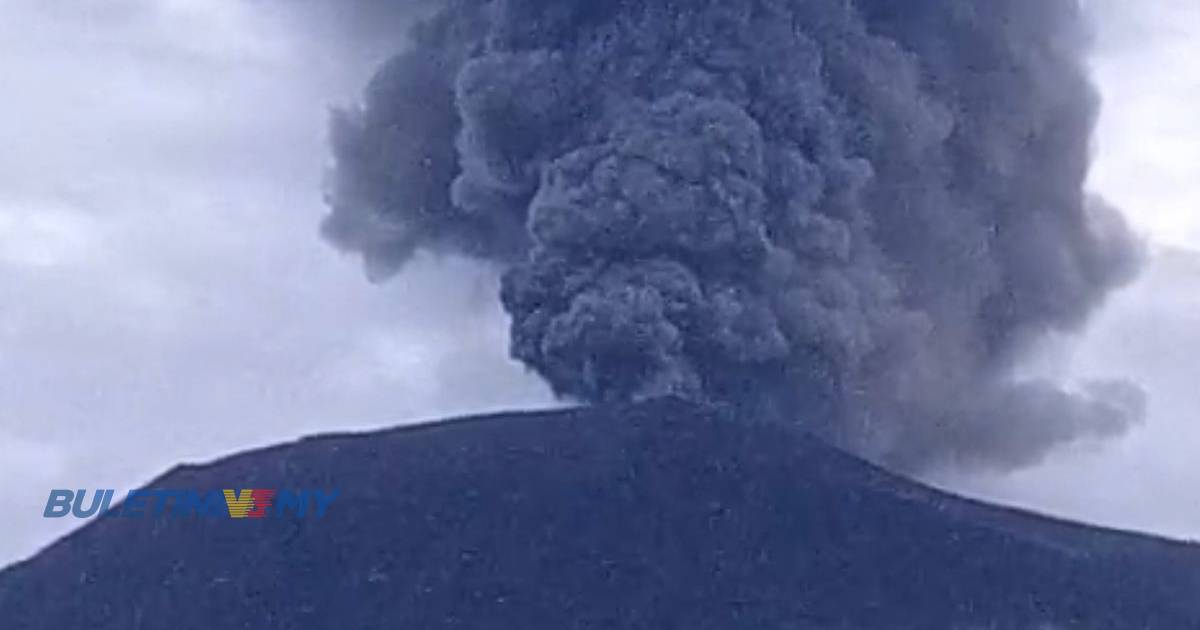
(656, 516)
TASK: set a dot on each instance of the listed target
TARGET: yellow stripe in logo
(240, 504)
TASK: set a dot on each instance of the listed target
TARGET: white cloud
(46, 236)
(164, 295)
(1148, 159)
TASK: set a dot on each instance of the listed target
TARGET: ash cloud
(858, 215)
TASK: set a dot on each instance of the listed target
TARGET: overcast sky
(1147, 65)
(164, 296)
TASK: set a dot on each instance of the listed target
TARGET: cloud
(1150, 333)
(46, 236)
(1148, 160)
(164, 295)
(823, 209)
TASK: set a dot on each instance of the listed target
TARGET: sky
(165, 297)
(1148, 163)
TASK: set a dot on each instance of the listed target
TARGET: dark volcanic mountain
(659, 516)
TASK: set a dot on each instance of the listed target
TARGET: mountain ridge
(656, 515)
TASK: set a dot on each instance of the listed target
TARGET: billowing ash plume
(855, 213)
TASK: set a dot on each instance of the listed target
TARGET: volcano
(661, 515)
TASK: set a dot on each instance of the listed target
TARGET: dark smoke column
(857, 215)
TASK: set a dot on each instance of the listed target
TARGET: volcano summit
(660, 516)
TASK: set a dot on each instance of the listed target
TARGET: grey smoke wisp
(856, 214)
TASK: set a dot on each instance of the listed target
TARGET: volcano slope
(656, 516)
